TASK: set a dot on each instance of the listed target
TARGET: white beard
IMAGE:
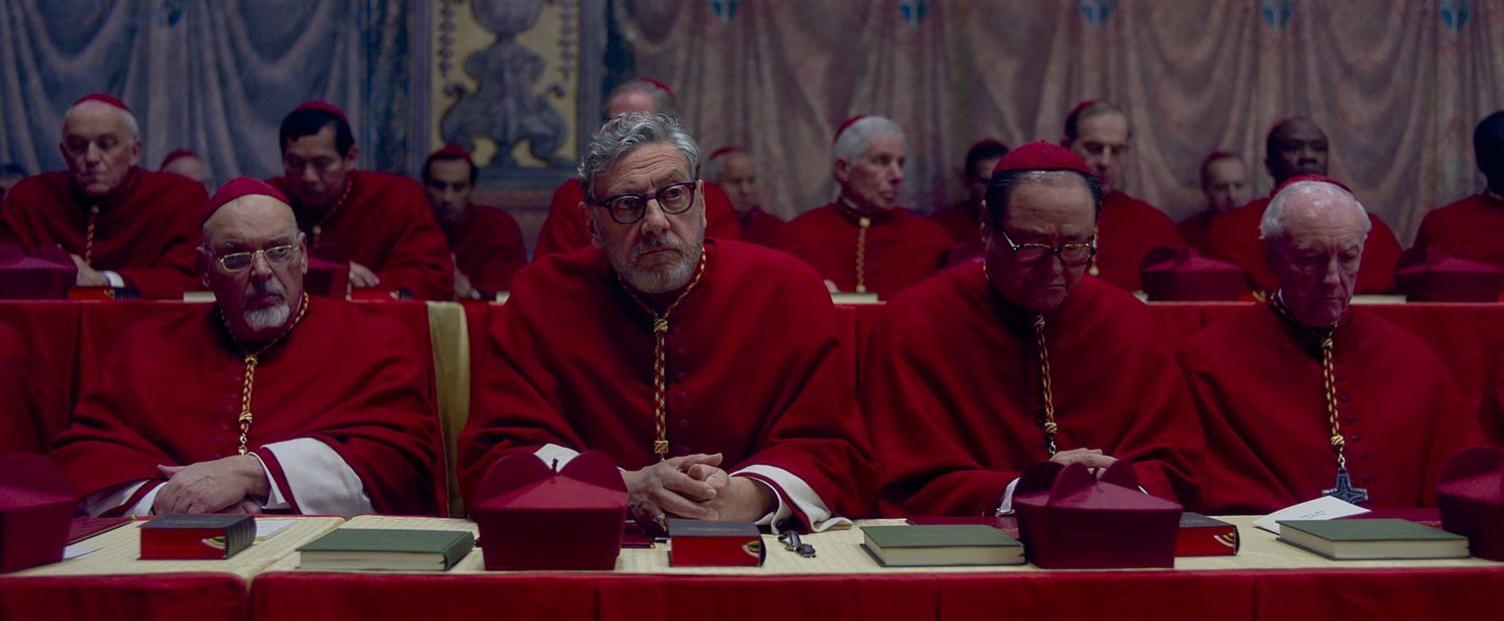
(664, 278)
(272, 316)
(267, 318)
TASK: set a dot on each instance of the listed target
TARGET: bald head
(1313, 235)
(101, 143)
(638, 95)
(1295, 146)
(258, 296)
(1488, 147)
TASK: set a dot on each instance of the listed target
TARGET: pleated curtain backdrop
(212, 76)
(1398, 86)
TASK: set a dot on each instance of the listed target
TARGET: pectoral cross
(1345, 490)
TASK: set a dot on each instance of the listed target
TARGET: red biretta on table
(146, 230)
(170, 393)
(951, 389)
(382, 221)
(900, 248)
(565, 229)
(754, 371)
(1257, 381)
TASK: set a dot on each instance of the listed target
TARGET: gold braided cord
(1339, 444)
(318, 227)
(89, 236)
(1328, 338)
(1048, 393)
(862, 224)
(660, 364)
(251, 360)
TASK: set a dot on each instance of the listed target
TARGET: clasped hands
(219, 486)
(693, 487)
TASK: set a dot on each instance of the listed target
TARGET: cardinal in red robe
(1306, 389)
(1473, 227)
(864, 242)
(125, 226)
(378, 222)
(1127, 228)
(992, 366)
(486, 241)
(641, 369)
(1296, 147)
(1224, 184)
(962, 219)
(733, 168)
(267, 400)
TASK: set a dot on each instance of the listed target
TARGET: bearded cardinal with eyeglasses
(268, 400)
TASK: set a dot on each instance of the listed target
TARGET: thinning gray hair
(1273, 224)
(853, 143)
(627, 132)
(132, 129)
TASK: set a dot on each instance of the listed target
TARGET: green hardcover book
(386, 549)
(1351, 540)
(948, 545)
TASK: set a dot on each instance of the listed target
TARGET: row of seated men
(715, 372)
(126, 226)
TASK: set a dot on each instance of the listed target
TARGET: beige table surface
(120, 550)
(840, 552)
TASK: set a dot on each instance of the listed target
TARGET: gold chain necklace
(89, 236)
(1344, 489)
(862, 224)
(250, 361)
(660, 345)
(318, 227)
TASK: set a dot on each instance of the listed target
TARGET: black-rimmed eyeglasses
(1073, 254)
(241, 261)
(673, 199)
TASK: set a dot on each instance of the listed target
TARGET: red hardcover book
(1206, 536)
(191, 536)
(85, 527)
(695, 543)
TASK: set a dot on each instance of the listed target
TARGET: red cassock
(147, 230)
(1126, 231)
(1197, 230)
(383, 223)
(962, 220)
(170, 393)
(488, 247)
(1257, 381)
(565, 230)
(23, 424)
(951, 389)
(761, 228)
(755, 371)
(1234, 238)
(1472, 228)
(902, 248)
